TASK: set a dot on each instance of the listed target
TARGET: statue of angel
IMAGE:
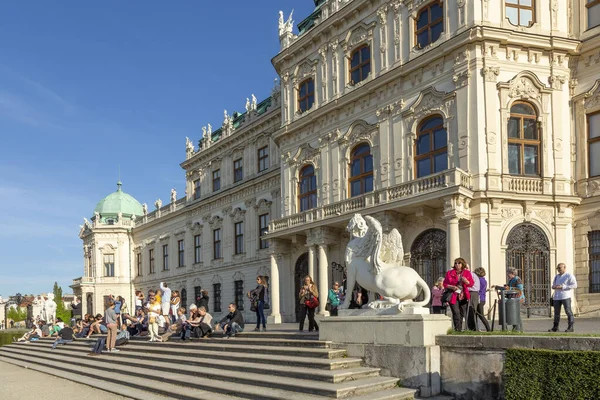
(189, 146)
(158, 204)
(281, 24)
(203, 132)
(289, 24)
(173, 195)
(374, 260)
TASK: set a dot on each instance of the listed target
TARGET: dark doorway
(528, 251)
(90, 303)
(300, 271)
(428, 256)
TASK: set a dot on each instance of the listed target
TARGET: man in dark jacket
(76, 307)
(232, 323)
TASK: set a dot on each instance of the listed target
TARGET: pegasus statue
(374, 260)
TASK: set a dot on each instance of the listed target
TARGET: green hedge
(550, 374)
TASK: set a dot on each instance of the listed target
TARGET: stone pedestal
(403, 345)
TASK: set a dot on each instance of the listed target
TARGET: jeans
(232, 328)
(439, 309)
(459, 309)
(60, 341)
(260, 315)
(333, 311)
(566, 303)
(312, 324)
(473, 303)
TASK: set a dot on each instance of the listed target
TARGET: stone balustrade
(523, 185)
(449, 178)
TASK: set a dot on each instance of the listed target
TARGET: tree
(61, 311)
(16, 314)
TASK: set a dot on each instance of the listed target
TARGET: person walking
(258, 295)
(110, 317)
(563, 285)
(483, 285)
(309, 296)
(459, 280)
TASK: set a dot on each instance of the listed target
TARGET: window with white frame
(520, 12)
(217, 254)
(360, 64)
(593, 13)
(197, 189)
(165, 255)
(593, 128)
(181, 253)
(429, 24)
(197, 248)
(109, 265)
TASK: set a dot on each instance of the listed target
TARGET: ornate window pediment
(360, 34)
(525, 86)
(306, 154)
(306, 69)
(263, 206)
(592, 97)
(237, 214)
(430, 101)
(359, 130)
(108, 248)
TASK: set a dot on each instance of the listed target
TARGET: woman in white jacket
(153, 314)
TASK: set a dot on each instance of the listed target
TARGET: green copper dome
(118, 202)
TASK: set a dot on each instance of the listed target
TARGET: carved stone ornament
(359, 35)
(263, 206)
(358, 130)
(490, 74)
(305, 154)
(524, 88)
(374, 260)
(237, 214)
(306, 70)
(557, 81)
(592, 96)
(429, 102)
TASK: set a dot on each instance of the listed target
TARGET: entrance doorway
(300, 271)
(89, 300)
(428, 256)
(528, 251)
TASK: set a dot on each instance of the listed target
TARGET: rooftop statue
(203, 132)
(374, 261)
(145, 208)
(189, 147)
(253, 106)
(248, 105)
(209, 130)
(158, 204)
(287, 26)
(173, 195)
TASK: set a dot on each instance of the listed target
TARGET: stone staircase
(252, 365)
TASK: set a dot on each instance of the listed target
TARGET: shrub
(550, 374)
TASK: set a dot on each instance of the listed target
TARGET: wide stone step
(251, 341)
(229, 382)
(117, 383)
(182, 352)
(209, 363)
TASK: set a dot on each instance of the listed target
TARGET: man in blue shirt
(563, 285)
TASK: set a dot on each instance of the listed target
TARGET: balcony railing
(523, 185)
(445, 179)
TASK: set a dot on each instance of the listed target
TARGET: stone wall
(472, 367)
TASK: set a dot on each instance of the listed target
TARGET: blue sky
(88, 87)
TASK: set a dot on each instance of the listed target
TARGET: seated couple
(197, 325)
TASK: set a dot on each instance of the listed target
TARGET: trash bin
(509, 308)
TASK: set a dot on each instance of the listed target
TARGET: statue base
(401, 344)
(364, 312)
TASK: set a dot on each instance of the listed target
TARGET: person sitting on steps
(65, 335)
(232, 323)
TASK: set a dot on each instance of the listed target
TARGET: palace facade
(473, 127)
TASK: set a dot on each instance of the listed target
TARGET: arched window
(523, 140)
(360, 64)
(520, 12)
(361, 170)
(429, 24)
(431, 147)
(306, 95)
(307, 188)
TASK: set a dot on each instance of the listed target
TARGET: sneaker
(114, 350)
(553, 330)
(256, 329)
(570, 329)
(264, 329)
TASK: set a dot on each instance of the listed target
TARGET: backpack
(122, 338)
(267, 299)
(99, 345)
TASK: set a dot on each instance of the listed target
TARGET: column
(311, 261)
(323, 282)
(275, 317)
(453, 240)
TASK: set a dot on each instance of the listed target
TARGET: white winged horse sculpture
(374, 260)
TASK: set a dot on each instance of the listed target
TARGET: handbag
(447, 296)
(313, 302)
(254, 305)
(328, 306)
(551, 301)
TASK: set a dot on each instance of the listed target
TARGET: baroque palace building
(473, 127)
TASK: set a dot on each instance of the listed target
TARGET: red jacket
(452, 278)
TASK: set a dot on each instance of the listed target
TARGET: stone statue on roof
(285, 27)
(253, 106)
(158, 204)
(189, 147)
(248, 105)
(225, 117)
(204, 132)
(173, 195)
(209, 130)
(145, 208)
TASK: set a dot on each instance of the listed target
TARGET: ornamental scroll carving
(358, 130)
(430, 101)
(592, 96)
(359, 35)
(305, 154)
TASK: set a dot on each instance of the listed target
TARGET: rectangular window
(239, 237)
(216, 297)
(593, 13)
(239, 295)
(197, 249)
(109, 265)
(238, 170)
(217, 244)
(165, 257)
(263, 227)
(263, 158)
(216, 180)
(138, 261)
(197, 294)
(594, 251)
(196, 189)
(181, 250)
(151, 257)
(593, 126)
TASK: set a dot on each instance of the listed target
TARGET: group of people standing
(465, 292)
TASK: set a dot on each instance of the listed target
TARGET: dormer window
(360, 64)
(429, 24)
(520, 12)
(306, 95)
